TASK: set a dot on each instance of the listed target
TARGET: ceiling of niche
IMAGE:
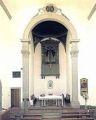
(49, 29)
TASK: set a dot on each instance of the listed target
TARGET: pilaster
(74, 62)
(25, 61)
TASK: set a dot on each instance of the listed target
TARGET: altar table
(45, 98)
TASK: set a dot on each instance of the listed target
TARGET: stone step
(51, 119)
(33, 114)
(77, 119)
(31, 118)
(75, 115)
(51, 115)
(45, 108)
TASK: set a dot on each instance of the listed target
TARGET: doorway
(15, 97)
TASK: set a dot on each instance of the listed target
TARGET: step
(51, 119)
(51, 115)
(32, 115)
(77, 119)
(75, 115)
(31, 118)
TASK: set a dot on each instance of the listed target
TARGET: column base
(75, 104)
(0, 108)
(25, 103)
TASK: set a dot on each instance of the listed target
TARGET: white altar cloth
(50, 97)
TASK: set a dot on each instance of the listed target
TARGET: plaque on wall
(50, 84)
(84, 86)
(16, 74)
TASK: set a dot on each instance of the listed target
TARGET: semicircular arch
(50, 16)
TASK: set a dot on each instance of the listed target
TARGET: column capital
(74, 48)
(74, 53)
(25, 52)
(25, 47)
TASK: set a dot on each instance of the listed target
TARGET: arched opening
(48, 29)
(49, 34)
(49, 40)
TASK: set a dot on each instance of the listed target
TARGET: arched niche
(71, 47)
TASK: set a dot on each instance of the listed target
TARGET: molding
(52, 38)
(92, 12)
(25, 40)
(74, 41)
(5, 9)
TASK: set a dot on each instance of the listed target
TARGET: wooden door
(15, 97)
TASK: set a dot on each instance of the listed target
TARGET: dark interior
(49, 29)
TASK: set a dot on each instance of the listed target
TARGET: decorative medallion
(50, 8)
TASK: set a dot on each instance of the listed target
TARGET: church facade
(45, 54)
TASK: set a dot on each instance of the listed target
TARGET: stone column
(0, 96)
(25, 73)
(74, 62)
